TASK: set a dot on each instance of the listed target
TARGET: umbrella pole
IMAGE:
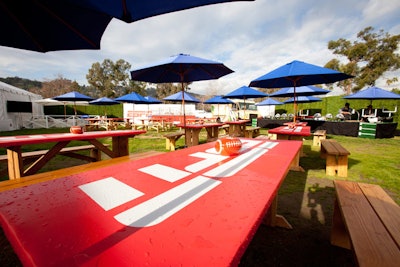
(294, 101)
(184, 112)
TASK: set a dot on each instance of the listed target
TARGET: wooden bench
(251, 132)
(367, 221)
(170, 140)
(336, 157)
(51, 175)
(318, 136)
(31, 156)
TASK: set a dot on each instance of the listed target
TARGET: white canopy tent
(16, 106)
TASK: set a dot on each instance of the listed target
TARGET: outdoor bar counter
(348, 128)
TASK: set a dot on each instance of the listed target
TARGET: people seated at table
(346, 111)
(369, 112)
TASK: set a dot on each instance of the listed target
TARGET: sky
(251, 38)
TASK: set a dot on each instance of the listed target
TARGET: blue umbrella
(302, 99)
(244, 93)
(152, 100)
(298, 73)
(177, 97)
(269, 102)
(300, 91)
(218, 100)
(73, 96)
(133, 97)
(48, 25)
(373, 93)
(104, 101)
(181, 69)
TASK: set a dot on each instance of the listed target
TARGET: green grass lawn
(371, 161)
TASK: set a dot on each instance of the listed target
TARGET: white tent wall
(10, 121)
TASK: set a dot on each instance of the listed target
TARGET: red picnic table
(291, 133)
(61, 140)
(190, 207)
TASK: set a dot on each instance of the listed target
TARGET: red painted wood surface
(190, 207)
(285, 130)
(21, 140)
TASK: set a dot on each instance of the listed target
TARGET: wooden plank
(372, 244)
(38, 164)
(15, 163)
(387, 210)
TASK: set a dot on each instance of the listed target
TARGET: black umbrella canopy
(52, 25)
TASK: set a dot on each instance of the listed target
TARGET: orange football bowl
(228, 146)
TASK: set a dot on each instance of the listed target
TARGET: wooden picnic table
(192, 132)
(187, 207)
(237, 128)
(106, 123)
(13, 144)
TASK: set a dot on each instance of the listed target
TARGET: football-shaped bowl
(76, 129)
(228, 146)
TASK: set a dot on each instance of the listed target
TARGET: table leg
(212, 134)
(192, 137)
(15, 163)
(120, 146)
(275, 220)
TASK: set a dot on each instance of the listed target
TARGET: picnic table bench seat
(366, 220)
(336, 157)
(318, 135)
(171, 138)
(252, 132)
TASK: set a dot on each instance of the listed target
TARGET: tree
(107, 76)
(167, 89)
(58, 86)
(368, 57)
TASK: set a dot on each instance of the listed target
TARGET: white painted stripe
(110, 193)
(165, 172)
(269, 145)
(209, 159)
(233, 166)
(159, 208)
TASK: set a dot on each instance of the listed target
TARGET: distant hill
(21, 82)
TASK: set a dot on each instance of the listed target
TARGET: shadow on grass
(308, 205)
